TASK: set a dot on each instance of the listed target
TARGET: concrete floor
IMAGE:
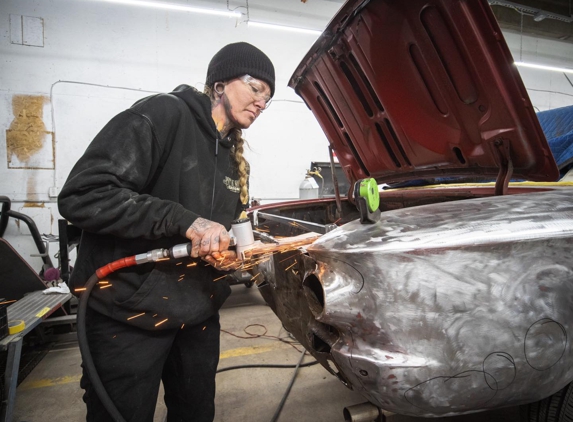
(52, 392)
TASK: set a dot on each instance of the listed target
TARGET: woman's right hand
(207, 238)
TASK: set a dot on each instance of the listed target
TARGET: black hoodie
(150, 172)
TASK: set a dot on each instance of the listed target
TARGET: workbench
(32, 309)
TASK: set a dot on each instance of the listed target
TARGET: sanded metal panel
(441, 309)
(418, 89)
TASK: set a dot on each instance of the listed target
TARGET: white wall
(92, 50)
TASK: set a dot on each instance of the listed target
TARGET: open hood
(422, 89)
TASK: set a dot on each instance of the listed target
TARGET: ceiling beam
(556, 23)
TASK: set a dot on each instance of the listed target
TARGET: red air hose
(115, 265)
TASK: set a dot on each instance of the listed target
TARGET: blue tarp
(557, 124)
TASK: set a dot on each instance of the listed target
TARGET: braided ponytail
(242, 165)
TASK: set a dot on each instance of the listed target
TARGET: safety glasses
(259, 89)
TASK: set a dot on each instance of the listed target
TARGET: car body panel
(422, 89)
(440, 309)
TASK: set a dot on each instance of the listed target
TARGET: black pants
(131, 362)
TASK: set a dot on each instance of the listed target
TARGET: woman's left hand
(223, 261)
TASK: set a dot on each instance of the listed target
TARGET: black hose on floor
(287, 392)
(231, 368)
(87, 356)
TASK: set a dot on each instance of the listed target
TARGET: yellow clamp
(314, 172)
(16, 326)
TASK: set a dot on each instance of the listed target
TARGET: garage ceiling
(541, 18)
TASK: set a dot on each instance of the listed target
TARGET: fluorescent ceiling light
(172, 6)
(284, 28)
(543, 67)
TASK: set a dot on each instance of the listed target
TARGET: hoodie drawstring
(214, 177)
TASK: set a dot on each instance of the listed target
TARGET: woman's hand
(207, 238)
(227, 261)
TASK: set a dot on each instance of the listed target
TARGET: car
(442, 282)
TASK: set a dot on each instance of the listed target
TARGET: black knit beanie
(238, 59)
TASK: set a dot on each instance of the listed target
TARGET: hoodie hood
(200, 106)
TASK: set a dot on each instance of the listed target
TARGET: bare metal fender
(441, 309)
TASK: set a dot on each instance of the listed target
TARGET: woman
(168, 169)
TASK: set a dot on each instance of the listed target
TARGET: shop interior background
(68, 66)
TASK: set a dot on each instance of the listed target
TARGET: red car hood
(422, 89)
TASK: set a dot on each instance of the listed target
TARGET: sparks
(182, 325)
(220, 278)
(204, 328)
(297, 225)
(8, 301)
(135, 316)
(106, 286)
(193, 264)
(103, 282)
(80, 289)
(165, 297)
(179, 263)
(255, 276)
(161, 322)
(290, 266)
(163, 259)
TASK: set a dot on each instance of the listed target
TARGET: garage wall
(79, 62)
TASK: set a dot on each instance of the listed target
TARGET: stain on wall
(27, 137)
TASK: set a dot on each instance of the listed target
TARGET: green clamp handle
(369, 190)
(367, 200)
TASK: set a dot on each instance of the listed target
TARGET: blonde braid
(242, 165)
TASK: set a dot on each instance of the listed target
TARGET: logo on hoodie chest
(232, 185)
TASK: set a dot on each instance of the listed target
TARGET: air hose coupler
(183, 250)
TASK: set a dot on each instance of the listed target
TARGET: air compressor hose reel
(367, 200)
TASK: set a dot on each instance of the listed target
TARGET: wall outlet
(53, 192)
